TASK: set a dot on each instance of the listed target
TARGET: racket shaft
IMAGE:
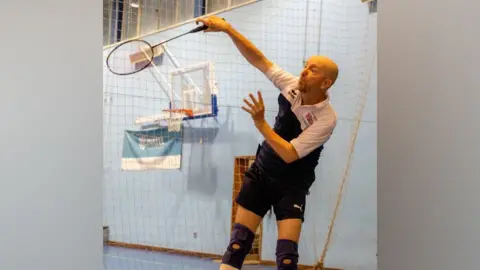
(198, 29)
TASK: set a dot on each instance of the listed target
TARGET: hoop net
(174, 124)
(174, 119)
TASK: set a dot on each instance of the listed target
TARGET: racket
(135, 55)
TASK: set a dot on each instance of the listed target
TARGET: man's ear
(327, 83)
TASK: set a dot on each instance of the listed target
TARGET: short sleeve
(280, 78)
(313, 137)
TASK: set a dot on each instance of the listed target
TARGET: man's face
(313, 77)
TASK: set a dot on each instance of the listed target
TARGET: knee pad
(287, 255)
(241, 242)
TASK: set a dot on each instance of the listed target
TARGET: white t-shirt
(317, 121)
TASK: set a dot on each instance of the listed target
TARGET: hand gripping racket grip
(201, 28)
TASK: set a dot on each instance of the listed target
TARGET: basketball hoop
(174, 124)
(174, 121)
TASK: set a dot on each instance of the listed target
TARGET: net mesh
(174, 124)
(169, 217)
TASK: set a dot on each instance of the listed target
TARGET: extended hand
(214, 23)
(256, 110)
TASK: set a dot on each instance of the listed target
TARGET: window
(372, 6)
(107, 18)
(130, 16)
(124, 19)
(214, 5)
(199, 8)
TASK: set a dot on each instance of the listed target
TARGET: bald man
(284, 167)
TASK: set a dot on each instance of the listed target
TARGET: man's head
(318, 75)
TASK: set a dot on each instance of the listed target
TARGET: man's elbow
(291, 155)
(290, 160)
(263, 64)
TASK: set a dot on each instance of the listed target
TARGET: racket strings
(130, 57)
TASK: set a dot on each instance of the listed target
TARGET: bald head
(326, 65)
(318, 75)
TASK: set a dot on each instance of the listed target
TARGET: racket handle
(198, 29)
(201, 28)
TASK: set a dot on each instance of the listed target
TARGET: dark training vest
(300, 173)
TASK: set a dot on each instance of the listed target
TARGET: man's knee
(287, 255)
(241, 242)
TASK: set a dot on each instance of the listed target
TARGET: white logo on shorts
(299, 207)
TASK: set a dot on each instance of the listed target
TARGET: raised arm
(251, 53)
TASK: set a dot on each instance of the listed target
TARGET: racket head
(130, 57)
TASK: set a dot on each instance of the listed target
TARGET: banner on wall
(151, 149)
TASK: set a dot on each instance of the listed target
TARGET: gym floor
(118, 258)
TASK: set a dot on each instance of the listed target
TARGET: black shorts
(260, 193)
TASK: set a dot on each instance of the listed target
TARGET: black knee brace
(240, 245)
(287, 255)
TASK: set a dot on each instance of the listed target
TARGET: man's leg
(241, 240)
(287, 244)
(252, 206)
(290, 215)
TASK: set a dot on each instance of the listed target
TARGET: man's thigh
(290, 214)
(252, 200)
(289, 229)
